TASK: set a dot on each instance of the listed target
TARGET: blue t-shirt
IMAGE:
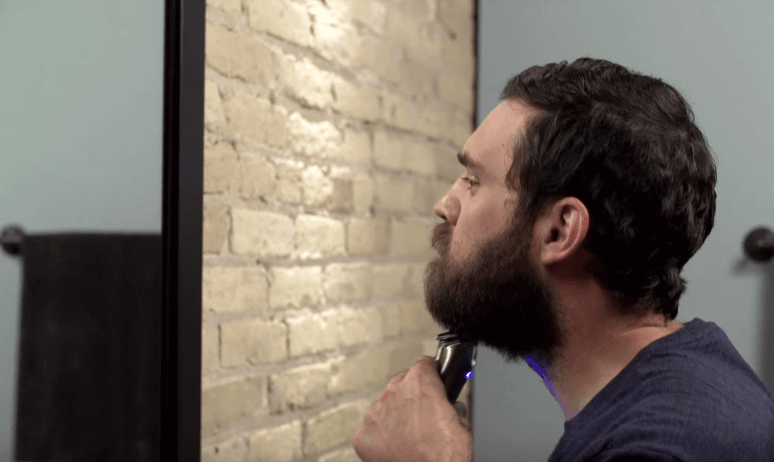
(686, 397)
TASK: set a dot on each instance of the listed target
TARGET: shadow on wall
(745, 265)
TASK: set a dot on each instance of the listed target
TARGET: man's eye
(471, 180)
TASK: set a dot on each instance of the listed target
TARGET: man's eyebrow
(464, 159)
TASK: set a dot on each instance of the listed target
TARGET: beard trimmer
(455, 359)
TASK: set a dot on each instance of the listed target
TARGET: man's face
(484, 284)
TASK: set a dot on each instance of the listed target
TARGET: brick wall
(331, 131)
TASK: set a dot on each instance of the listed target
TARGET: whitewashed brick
(456, 93)
(346, 282)
(234, 449)
(416, 280)
(399, 153)
(254, 119)
(317, 139)
(334, 426)
(279, 444)
(253, 342)
(342, 455)
(306, 83)
(356, 145)
(288, 185)
(220, 166)
(358, 326)
(399, 112)
(228, 289)
(388, 150)
(229, 6)
(313, 333)
(410, 238)
(419, 78)
(334, 41)
(392, 321)
(296, 287)
(213, 110)
(227, 402)
(432, 122)
(403, 356)
(298, 388)
(370, 14)
(388, 280)
(261, 233)
(380, 57)
(456, 54)
(416, 318)
(365, 236)
(410, 33)
(257, 176)
(366, 368)
(210, 349)
(236, 55)
(283, 19)
(317, 187)
(358, 101)
(215, 228)
(457, 16)
(394, 194)
(363, 191)
(420, 158)
(319, 236)
(459, 132)
(342, 196)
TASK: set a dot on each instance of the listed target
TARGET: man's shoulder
(692, 424)
(675, 414)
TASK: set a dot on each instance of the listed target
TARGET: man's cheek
(461, 245)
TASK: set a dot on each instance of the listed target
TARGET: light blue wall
(81, 106)
(718, 54)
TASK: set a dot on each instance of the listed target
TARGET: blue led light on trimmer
(469, 375)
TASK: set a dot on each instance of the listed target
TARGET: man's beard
(496, 297)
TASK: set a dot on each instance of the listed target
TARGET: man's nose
(448, 207)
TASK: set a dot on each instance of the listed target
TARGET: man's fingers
(428, 360)
(425, 359)
(394, 383)
(423, 362)
(427, 366)
(424, 366)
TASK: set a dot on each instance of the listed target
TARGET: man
(586, 191)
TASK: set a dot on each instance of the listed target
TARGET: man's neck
(583, 375)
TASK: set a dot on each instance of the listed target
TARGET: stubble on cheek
(461, 248)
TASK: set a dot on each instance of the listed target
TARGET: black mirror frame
(180, 418)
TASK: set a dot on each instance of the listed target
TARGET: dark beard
(496, 297)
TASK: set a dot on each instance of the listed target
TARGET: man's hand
(413, 421)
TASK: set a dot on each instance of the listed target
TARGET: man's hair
(626, 145)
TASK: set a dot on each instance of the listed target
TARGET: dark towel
(90, 349)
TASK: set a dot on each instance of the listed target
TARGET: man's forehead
(493, 140)
(504, 122)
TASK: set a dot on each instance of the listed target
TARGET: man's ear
(562, 229)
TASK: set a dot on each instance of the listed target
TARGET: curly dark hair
(625, 145)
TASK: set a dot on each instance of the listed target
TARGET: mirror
(102, 134)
